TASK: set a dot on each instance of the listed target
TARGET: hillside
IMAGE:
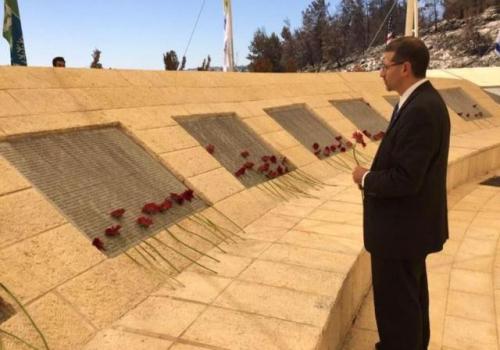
(457, 43)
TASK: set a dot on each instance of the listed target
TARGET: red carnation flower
(177, 198)
(272, 174)
(326, 151)
(265, 158)
(263, 167)
(367, 134)
(96, 242)
(359, 138)
(273, 159)
(338, 138)
(342, 149)
(333, 148)
(150, 208)
(166, 205)
(244, 154)
(379, 136)
(117, 213)
(317, 153)
(249, 165)
(240, 171)
(188, 195)
(113, 231)
(315, 145)
(348, 144)
(144, 221)
(210, 148)
(280, 170)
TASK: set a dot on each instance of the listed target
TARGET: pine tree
(265, 52)
(170, 60)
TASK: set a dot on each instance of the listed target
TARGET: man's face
(60, 63)
(390, 71)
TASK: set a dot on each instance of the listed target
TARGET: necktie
(394, 116)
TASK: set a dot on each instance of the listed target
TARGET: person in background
(58, 62)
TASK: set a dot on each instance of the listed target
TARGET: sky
(134, 34)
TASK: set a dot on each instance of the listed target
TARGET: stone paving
(464, 279)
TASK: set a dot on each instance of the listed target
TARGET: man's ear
(407, 68)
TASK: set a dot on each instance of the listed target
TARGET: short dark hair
(57, 59)
(413, 50)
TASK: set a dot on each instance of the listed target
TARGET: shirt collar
(409, 91)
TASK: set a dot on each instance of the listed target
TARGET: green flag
(13, 33)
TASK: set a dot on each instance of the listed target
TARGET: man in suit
(405, 207)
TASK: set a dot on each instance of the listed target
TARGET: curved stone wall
(293, 272)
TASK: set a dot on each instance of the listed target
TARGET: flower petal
(117, 213)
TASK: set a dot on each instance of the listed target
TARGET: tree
(96, 56)
(465, 8)
(183, 64)
(170, 60)
(430, 12)
(335, 43)
(206, 64)
(265, 52)
(288, 49)
(315, 22)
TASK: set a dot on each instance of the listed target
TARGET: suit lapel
(396, 117)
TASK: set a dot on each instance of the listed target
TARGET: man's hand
(357, 174)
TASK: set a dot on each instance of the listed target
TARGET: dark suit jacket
(405, 206)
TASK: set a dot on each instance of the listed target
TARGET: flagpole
(409, 17)
(415, 18)
(228, 37)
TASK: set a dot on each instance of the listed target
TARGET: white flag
(228, 37)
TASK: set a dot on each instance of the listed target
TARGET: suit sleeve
(411, 155)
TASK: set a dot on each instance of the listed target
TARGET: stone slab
(235, 330)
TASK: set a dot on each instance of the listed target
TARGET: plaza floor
(464, 279)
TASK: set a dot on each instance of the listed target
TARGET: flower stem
(286, 188)
(220, 228)
(295, 187)
(161, 256)
(200, 236)
(267, 191)
(153, 267)
(190, 259)
(206, 225)
(26, 313)
(274, 190)
(354, 155)
(304, 180)
(193, 249)
(18, 339)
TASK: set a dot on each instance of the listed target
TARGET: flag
(228, 37)
(390, 31)
(497, 44)
(13, 33)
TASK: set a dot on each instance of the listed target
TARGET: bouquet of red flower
(358, 137)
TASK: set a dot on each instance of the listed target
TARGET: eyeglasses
(385, 67)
